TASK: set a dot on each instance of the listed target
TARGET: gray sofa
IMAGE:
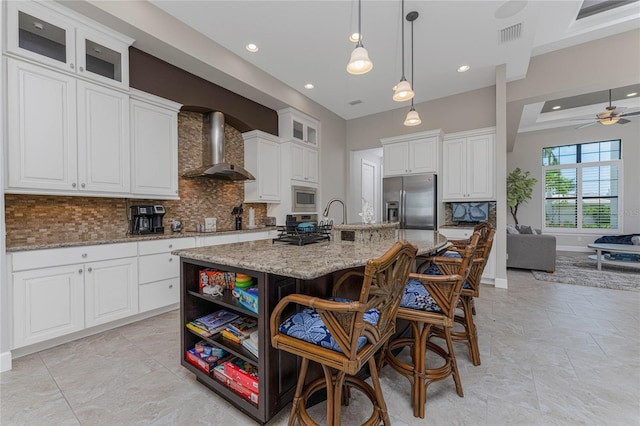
(531, 251)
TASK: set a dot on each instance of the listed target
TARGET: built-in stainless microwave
(303, 199)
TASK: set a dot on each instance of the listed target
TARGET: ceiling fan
(612, 115)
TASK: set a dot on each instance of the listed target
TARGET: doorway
(365, 182)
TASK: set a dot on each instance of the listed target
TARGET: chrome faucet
(344, 209)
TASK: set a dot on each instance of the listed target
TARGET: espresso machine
(147, 219)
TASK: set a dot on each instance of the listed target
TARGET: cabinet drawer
(158, 294)
(456, 234)
(155, 267)
(45, 258)
(165, 246)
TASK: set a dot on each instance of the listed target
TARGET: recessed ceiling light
(354, 37)
(632, 94)
(252, 48)
(464, 68)
(556, 107)
(308, 86)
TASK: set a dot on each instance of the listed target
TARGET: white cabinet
(262, 158)
(411, 154)
(60, 291)
(111, 290)
(103, 139)
(295, 125)
(304, 163)
(468, 166)
(489, 273)
(57, 37)
(65, 136)
(159, 272)
(154, 146)
(47, 303)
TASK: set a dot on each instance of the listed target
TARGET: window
(583, 187)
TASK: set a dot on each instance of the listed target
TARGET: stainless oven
(303, 199)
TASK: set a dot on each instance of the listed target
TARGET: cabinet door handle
(171, 259)
(82, 185)
(72, 66)
(89, 270)
(81, 69)
(73, 185)
(170, 246)
(170, 285)
(80, 271)
(84, 255)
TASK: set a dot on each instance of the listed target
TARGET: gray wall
(465, 111)
(527, 155)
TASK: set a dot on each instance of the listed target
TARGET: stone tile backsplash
(49, 219)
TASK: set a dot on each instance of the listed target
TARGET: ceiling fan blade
(623, 121)
(586, 125)
(629, 114)
(619, 110)
(605, 114)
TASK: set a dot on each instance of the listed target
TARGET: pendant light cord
(413, 83)
(360, 23)
(402, 19)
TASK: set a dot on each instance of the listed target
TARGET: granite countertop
(310, 261)
(125, 238)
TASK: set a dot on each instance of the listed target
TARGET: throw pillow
(511, 229)
(524, 229)
(635, 240)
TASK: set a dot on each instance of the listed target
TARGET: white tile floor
(552, 354)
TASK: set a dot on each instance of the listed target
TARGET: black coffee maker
(147, 220)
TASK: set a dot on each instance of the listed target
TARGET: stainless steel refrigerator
(410, 200)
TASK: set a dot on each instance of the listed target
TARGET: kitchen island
(277, 269)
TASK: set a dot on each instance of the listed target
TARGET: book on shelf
(242, 326)
(193, 326)
(230, 335)
(216, 321)
(251, 343)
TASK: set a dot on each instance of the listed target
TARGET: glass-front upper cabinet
(293, 124)
(53, 35)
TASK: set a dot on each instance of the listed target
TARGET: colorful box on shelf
(211, 277)
(219, 374)
(242, 372)
(247, 297)
(204, 362)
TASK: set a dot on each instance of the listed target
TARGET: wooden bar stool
(344, 335)
(470, 288)
(430, 301)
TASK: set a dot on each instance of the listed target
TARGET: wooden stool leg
(295, 404)
(471, 329)
(381, 405)
(454, 364)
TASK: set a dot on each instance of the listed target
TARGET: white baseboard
(5, 361)
(501, 283)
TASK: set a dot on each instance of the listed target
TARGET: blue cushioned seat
(433, 269)
(308, 326)
(417, 297)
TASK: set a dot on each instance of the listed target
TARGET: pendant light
(402, 91)
(413, 118)
(359, 63)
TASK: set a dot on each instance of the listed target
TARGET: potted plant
(519, 189)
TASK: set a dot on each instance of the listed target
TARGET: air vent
(352, 103)
(514, 32)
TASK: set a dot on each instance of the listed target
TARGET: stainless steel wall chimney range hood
(213, 154)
